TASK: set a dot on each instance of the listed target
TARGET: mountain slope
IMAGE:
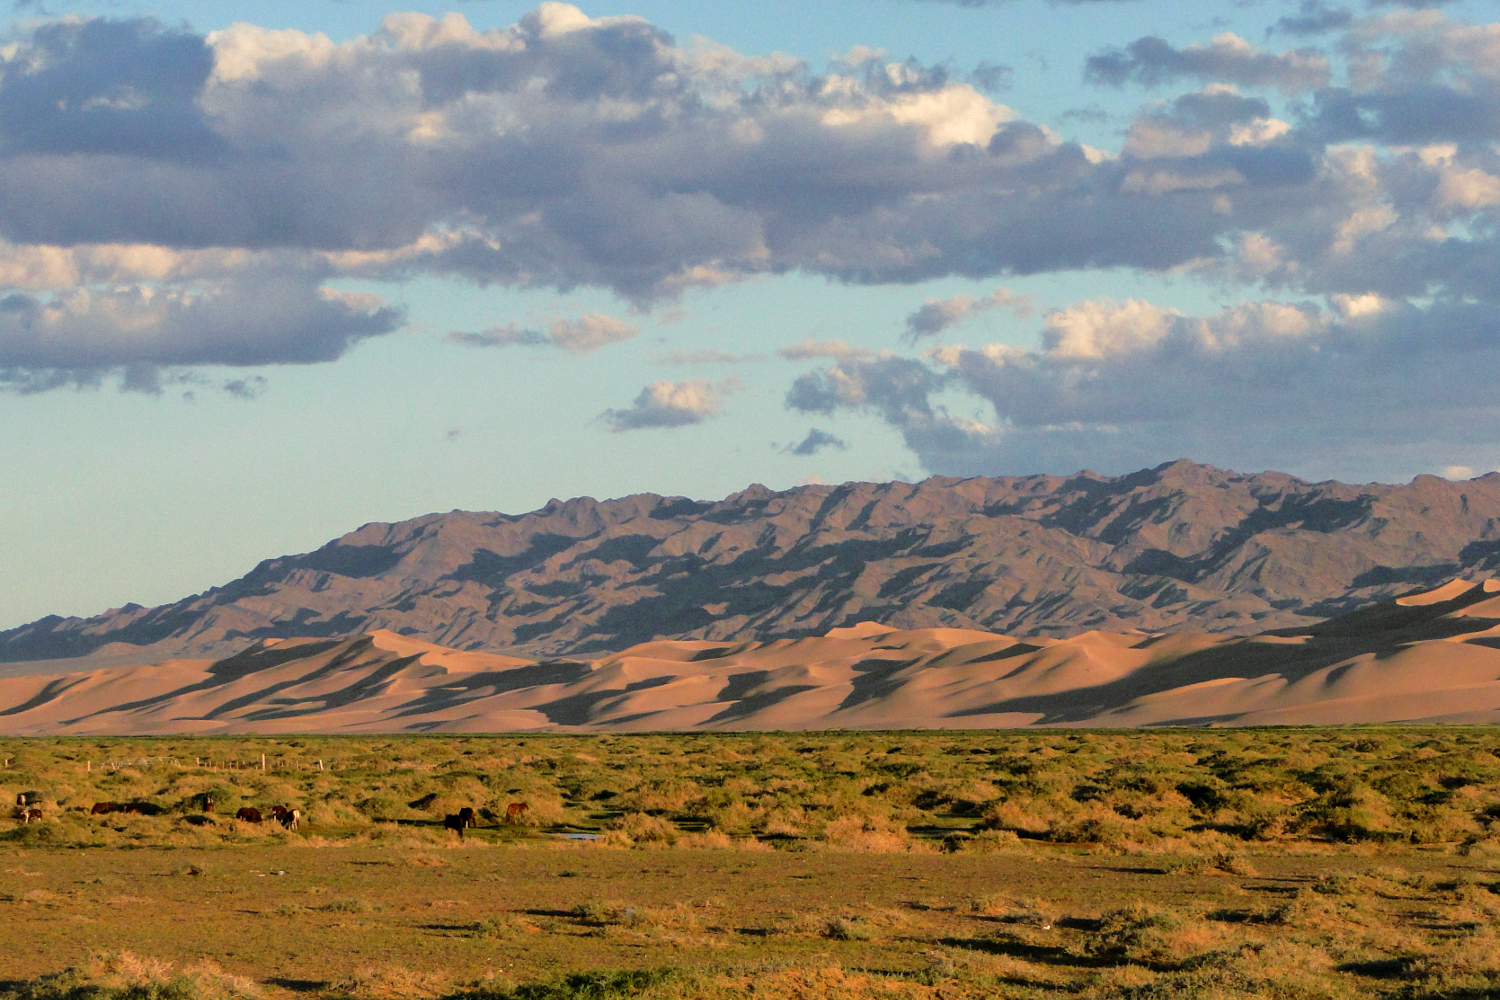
(1430, 656)
(1179, 546)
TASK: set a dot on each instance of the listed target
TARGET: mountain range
(1181, 547)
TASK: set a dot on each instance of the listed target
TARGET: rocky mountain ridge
(1182, 546)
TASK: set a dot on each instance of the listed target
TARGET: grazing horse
(467, 815)
(290, 818)
(249, 814)
(278, 813)
(101, 808)
(25, 813)
(140, 809)
(455, 823)
(515, 811)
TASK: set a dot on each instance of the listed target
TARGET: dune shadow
(1224, 662)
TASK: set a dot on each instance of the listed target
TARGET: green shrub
(579, 986)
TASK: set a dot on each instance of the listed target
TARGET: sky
(273, 270)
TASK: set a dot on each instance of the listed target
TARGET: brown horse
(249, 814)
(515, 811)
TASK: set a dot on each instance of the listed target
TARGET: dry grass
(361, 922)
(1216, 864)
(1190, 792)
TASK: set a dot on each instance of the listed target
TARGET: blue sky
(274, 270)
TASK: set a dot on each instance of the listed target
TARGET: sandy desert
(1429, 656)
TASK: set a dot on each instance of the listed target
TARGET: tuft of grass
(126, 976)
(347, 904)
(388, 982)
(579, 986)
(848, 929)
(1137, 933)
(502, 927)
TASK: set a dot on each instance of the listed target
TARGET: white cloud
(802, 350)
(567, 151)
(671, 404)
(1116, 384)
(591, 332)
(1227, 58)
(265, 315)
(583, 335)
(936, 315)
(1468, 189)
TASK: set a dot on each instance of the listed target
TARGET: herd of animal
(291, 819)
(26, 813)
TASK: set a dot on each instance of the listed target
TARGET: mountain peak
(1177, 547)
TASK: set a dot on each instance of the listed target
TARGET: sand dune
(1432, 655)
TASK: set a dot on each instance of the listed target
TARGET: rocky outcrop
(1181, 546)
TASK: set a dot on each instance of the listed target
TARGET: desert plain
(1224, 862)
(1309, 811)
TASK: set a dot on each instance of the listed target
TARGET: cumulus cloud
(1118, 382)
(576, 336)
(1151, 61)
(936, 315)
(246, 388)
(248, 170)
(591, 332)
(1313, 17)
(1416, 78)
(263, 316)
(815, 442)
(671, 404)
(532, 156)
(899, 389)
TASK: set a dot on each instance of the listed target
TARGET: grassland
(1289, 863)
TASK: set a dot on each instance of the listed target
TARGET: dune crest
(1429, 655)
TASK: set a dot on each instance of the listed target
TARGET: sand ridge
(1430, 655)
